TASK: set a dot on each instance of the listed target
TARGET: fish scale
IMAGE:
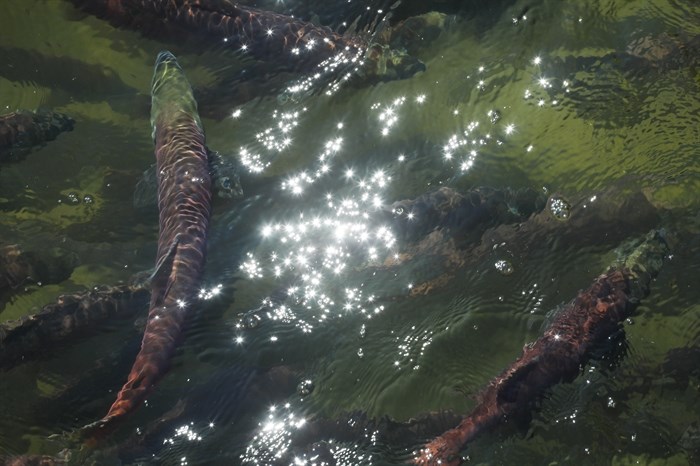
(184, 202)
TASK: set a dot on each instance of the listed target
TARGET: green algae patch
(646, 460)
(88, 275)
(72, 207)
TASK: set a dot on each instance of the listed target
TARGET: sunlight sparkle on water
(465, 145)
(315, 250)
(388, 114)
(274, 436)
(273, 440)
(327, 73)
(184, 433)
(277, 138)
(207, 294)
(297, 184)
(253, 162)
(251, 266)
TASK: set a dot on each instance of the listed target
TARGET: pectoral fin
(161, 275)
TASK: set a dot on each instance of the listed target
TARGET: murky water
(596, 101)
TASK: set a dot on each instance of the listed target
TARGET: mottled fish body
(184, 200)
(558, 355)
(22, 130)
(263, 34)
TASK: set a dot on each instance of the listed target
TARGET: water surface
(592, 100)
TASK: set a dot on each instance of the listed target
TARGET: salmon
(265, 35)
(184, 204)
(559, 354)
(22, 130)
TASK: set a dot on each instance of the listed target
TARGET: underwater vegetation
(394, 255)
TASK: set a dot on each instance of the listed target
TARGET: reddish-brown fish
(184, 198)
(558, 355)
(264, 34)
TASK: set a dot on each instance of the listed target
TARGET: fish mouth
(163, 68)
(171, 93)
(164, 56)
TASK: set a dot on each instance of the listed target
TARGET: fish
(22, 130)
(263, 34)
(40, 265)
(566, 345)
(284, 41)
(226, 182)
(70, 317)
(184, 204)
(466, 215)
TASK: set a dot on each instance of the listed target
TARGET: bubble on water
(363, 331)
(504, 267)
(305, 387)
(494, 116)
(559, 208)
(252, 320)
(73, 198)
(360, 353)
(88, 199)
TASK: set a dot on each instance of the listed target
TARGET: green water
(585, 111)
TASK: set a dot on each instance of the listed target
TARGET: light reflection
(315, 249)
(251, 266)
(185, 433)
(274, 437)
(252, 161)
(272, 443)
(466, 144)
(388, 114)
(298, 183)
(413, 347)
(207, 294)
(331, 72)
(546, 88)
